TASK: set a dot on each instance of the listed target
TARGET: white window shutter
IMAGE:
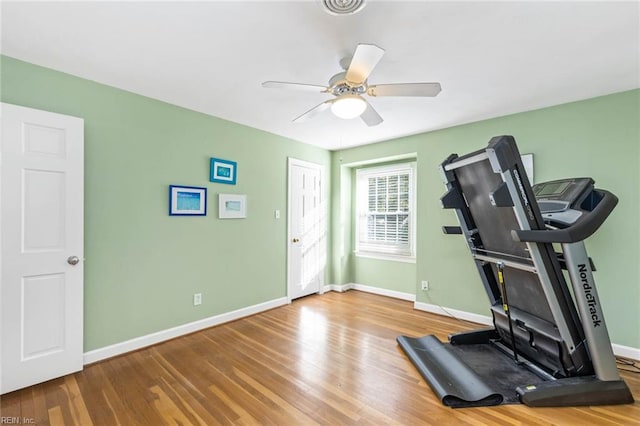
(384, 209)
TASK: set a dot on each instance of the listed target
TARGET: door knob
(295, 240)
(73, 260)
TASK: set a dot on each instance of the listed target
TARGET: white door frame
(296, 162)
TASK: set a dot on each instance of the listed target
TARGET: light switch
(277, 214)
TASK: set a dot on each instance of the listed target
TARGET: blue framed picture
(187, 201)
(223, 171)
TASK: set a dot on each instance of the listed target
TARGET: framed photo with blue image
(223, 171)
(187, 201)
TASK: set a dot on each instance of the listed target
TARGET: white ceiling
(492, 58)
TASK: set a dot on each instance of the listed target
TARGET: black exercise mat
(497, 370)
(467, 375)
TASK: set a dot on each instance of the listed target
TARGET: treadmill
(549, 344)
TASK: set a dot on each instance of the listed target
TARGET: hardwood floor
(328, 359)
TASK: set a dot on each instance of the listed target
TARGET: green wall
(598, 137)
(397, 276)
(143, 266)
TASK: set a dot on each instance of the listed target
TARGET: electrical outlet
(425, 285)
(197, 299)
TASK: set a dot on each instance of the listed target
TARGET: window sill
(385, 256)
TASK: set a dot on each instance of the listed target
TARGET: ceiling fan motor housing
(338, 85)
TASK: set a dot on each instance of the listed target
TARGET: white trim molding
(340, 288)
(171, 333)
(370, 289)
(626, 351)
(385, 256)
(158, 337)
(453, 313)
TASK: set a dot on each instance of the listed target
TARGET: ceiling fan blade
(363, 62)
(294, 86)
(370, 116)
(405, 89)
(313, 111)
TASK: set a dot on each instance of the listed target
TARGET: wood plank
(329, 359)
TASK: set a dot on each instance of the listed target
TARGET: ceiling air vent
(342, 7)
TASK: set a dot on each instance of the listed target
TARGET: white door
(307, 229)
(41, 228)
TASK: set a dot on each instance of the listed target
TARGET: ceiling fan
(350, 85)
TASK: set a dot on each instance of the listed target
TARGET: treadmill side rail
(593, 323)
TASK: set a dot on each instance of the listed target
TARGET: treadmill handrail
(582, 229)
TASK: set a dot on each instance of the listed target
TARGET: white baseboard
(618, 350)
(626, 351)
(450, 312)
(170, 333)
(370, 289)
(340, 288)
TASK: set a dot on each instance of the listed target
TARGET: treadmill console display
(562, 202)
(552, 188)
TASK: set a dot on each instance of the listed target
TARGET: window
(385, 210)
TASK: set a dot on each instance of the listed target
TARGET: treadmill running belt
(485, 377)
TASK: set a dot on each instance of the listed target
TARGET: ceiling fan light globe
(348, 106)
